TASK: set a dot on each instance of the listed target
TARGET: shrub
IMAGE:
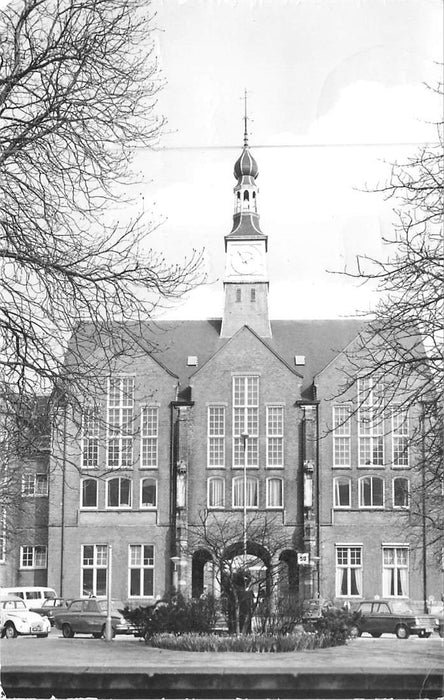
(257, 643)
(335, 624)
(176, 614)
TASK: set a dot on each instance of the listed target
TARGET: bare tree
(247, 580)
(78, 88)
(402, 346)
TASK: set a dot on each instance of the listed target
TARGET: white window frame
(120, 421)
(269, 480)
(99, 563)
(31, 553)
(240, 480)
(82, 481)
(361, 492)
(352, 579)
(30, 485)
(406, 479)
(216, 435)
(275, 436)
(90, 437)
(397, 570)
(246, 419)
(400, 434)
(370, 424)
(336, 504)
(149, 437)
(120, 506)
(141, 568)
(220, 480)
(154, 481)
(341, 434)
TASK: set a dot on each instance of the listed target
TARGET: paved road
(365, 667)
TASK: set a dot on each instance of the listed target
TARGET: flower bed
(244, 643)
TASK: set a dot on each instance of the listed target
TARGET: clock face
(245, 260)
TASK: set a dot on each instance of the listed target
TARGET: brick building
(238, 415)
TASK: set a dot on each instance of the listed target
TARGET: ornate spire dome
(245, 166)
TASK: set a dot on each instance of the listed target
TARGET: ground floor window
(94, 569)
(33, 557)
(141, 570)
(395, 571)
(348, 571)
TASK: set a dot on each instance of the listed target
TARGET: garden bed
(258, 643)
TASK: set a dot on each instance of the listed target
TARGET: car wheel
(10, 632)
(96, 635)
(41, 636)
(67, 631)
(113, 632)
(402, 632)
(376, 634)
(426, 635)
(355, 632)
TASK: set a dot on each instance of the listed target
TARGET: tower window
(252, 295)
(247, 195)
(238, 294)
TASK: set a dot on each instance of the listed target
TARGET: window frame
(349, 566)
(361, 480)
(95, 567)
(342, 432)
(271, 435)
(397, 567)
(401, 478)
(399, 434)
(268, 481)
(250, 480)
(219, 479)
(33, 548)
(245, 415)
(216, 435)
(120, 479)
(33, 481)
(371, 404)
(336, 481)
(90, 443)
(82, 481)
(149, 439)
(155, 482)
(141, 568)
(117, 434)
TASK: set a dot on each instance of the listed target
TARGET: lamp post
(244, 437)
(108, 624)
(175, 561)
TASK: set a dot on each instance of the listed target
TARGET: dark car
(312, 610)
(48, 607)
(88, 616)
(393, 617)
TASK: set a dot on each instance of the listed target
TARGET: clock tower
(246, 279)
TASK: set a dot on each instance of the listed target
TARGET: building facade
(231, 417)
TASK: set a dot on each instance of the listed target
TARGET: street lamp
(244, 437)
(175, 561)
(108, 623)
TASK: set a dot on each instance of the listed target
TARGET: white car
(15, 618)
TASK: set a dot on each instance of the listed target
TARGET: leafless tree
(402, 346)
(247, 581)
(78, 88)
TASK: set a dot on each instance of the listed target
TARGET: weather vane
(245, 118)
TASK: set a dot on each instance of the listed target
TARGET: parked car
(312, 610)
(15, 619)
(394, 617)
(88, 616)
(437, 612)
(47, 608)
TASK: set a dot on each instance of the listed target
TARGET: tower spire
(245, 120)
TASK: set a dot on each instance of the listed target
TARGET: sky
(335, 94)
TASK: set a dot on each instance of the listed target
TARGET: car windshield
(49, 594)
(115, 605)
(401, 608)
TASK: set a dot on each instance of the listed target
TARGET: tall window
(400, 438)
(141, 570)
(275, 493)
(90, 437)
(89, 493)
(118, 492)
(370, 419)
(33, 557)
(395, 571)
(275, 436)
(216, 436)
(94, 568)
(401, 492)
(349, 571)
(252, 492)
(150, 423)
(120, 421)
(371, 492)
(245, 420)
(341, 435)
(341, 492)
(34, 485)
(148, 496)
(216, 492)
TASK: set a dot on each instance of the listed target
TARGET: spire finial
(245, 119)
